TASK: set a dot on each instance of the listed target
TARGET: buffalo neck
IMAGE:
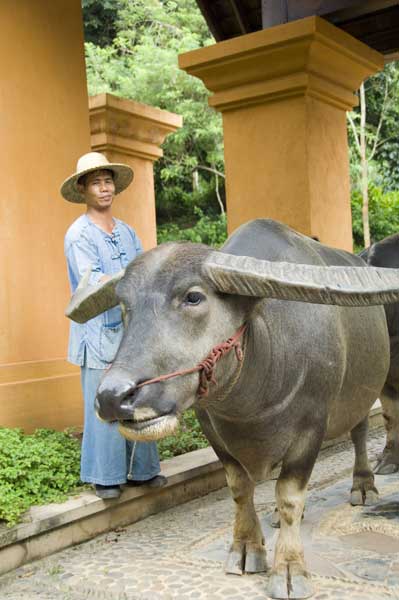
(239, 381)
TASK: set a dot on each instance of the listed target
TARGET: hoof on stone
(275, 520)
(386, 468)
(356, 498)
(255, 560)
(371, 498)
(277, 586)
(364, 497)
(300, 587)
(235, 562)
(249, 558)
(295, 587)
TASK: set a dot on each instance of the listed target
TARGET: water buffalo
(386, 254)
(276, 342)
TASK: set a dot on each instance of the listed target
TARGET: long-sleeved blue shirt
(87, 246)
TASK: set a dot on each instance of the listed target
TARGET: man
(104, 244)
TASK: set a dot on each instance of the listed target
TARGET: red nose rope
(207, 366)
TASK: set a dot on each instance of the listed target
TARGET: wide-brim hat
(95, 161)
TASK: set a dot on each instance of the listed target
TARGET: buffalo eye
(193, 298)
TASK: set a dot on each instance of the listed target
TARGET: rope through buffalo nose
(207, 366)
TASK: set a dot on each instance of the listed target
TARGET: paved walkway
(353, 553)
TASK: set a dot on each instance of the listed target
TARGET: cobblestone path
(353, 553)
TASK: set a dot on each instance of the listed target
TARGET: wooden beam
(360, 9)
(337, 10)
(392, 57)
(229, 18)
(240, 16)
(306, 8)
(211, 20)
(274, 12)
(379, 30)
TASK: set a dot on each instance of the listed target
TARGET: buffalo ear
(343, 285)
(88, 301)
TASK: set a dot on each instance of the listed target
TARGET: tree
(141, 64)
(373, 125)
(99, 20)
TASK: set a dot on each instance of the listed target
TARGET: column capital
(308, 57)
(129, 127)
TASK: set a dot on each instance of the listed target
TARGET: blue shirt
(95, 343)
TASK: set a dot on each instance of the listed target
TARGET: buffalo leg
(388, 461)
(289, 577)
(247, 552)
(363, 489)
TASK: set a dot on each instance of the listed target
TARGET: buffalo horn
(88, 301)
(344, 286)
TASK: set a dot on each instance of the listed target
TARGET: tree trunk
(195, 180)
(217, 190)
(365, 169)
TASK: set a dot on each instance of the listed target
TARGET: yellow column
(44, 127)
(132, 133)
(284, 93)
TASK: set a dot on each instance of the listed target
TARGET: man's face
(98, 189)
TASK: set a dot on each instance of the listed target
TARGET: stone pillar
(44, 127)
(131, 133)
(284, 93)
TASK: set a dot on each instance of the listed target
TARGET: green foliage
(44, 467)
(99, 20)
(206, 231)
(141, 64)
(35, 469)
(383, 94)
(383, 211)
(188, 438)
(382, 130)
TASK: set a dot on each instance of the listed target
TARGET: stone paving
(351, 552)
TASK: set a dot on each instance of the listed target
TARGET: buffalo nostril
(129, 399)
(115, 397)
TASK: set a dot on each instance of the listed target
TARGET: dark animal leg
(247, 552)
(289, 577)
(388, 461)
(363, 489)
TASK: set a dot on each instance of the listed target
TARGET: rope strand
(207, 366)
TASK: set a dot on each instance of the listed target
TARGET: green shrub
(383, 215)
(35, 469)
(44, 467)
(188, 438)
(207, 230)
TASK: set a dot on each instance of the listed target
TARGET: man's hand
(104, 278)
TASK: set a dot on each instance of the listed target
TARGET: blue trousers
(106, 455)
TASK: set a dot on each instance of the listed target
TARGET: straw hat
(94, 161)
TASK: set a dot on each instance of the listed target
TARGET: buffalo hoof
(386, 465)
(291, 587)
(300, 587)
(275, 520)
(246, 558)
(362, 497)
(371, 497)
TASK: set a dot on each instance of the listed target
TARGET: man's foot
(107, 492)
(156, 482)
